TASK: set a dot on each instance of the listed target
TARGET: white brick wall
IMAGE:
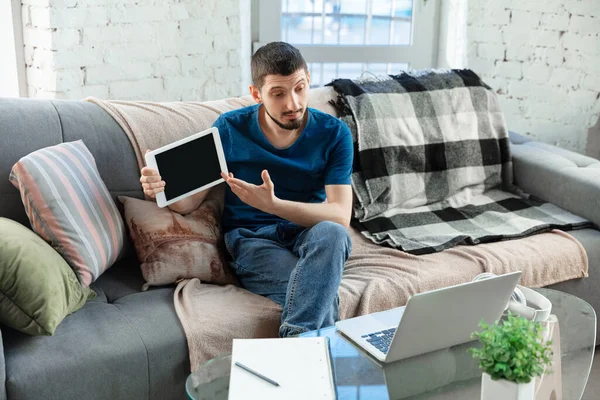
(543, 60)
(155, 50)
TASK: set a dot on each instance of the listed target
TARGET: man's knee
(332, 234)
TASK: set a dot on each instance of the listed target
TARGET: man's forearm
(188, 204)
(182, 207)
(310, 214)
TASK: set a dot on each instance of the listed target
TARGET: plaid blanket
(432, 166)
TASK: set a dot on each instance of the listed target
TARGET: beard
(290, 125)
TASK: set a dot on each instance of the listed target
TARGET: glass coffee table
(445, 374)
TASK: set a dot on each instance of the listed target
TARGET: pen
(272, 382)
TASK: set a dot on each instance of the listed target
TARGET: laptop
(432, 320)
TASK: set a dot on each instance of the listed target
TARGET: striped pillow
(69, 206)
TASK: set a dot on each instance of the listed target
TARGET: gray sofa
(127, 344)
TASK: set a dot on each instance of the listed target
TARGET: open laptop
(432, 320)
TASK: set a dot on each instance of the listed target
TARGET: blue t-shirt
(321, 155)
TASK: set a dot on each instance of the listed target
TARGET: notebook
(301, 366)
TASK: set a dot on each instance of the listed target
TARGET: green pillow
(38, 289)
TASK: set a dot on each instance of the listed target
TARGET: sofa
(129, 344)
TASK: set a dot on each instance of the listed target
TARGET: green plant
(512, 350)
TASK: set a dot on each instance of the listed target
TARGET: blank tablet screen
(189, 166)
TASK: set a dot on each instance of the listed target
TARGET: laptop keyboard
(380, 340)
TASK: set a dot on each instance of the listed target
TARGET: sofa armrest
(562, 177)
(3, 395)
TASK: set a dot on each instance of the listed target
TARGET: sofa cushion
(94, 354)
(38, 289)
(171, 246)
(586, 288)
(69, 206)
(122, 279)
(152, 315)
(3, 395)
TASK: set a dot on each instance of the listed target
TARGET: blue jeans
(298, 268)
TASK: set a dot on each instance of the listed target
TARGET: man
(288, 201)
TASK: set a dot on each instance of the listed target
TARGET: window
(345, 38)
(323, 73)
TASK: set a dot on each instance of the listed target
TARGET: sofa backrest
(27, 125)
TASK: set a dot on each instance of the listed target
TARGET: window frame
(14, 79)
(420, 54)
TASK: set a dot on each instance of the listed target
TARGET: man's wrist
(276, 207)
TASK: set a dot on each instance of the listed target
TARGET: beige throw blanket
(376, 278)
(150, 125)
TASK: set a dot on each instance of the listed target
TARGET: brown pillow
(171, 247)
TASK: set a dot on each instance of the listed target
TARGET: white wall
(155, 50)
(543, 58)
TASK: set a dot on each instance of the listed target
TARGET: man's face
(285, 98)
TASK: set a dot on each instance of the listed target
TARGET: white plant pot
(506, 390)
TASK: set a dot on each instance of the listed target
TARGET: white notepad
(301, 366)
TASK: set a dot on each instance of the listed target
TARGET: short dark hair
(275, 58)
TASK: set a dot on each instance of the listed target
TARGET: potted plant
(512, 354)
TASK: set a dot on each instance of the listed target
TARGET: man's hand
(261, 197)
(151, 181)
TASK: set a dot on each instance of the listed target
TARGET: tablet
(188, 166)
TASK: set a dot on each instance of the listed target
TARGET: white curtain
(453, 34)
